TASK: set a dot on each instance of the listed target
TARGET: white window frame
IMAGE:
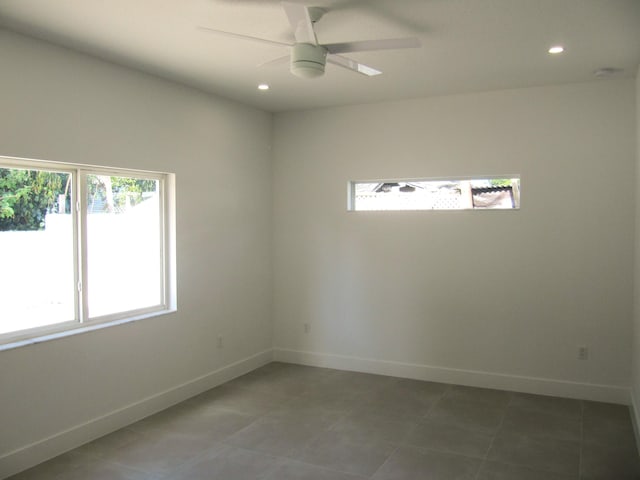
(82, 321)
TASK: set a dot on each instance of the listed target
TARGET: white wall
(493, 298)
(59, 105)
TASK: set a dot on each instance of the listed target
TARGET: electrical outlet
(583, 352)
(307, 327)
(219, 341)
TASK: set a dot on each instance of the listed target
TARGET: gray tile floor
(287, 421)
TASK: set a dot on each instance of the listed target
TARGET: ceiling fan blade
(244, 37)
(275, 61)
(301, 23)
(369, 45)
(350, 64)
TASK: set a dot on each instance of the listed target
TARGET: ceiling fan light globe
(307, 69)
(308, 61)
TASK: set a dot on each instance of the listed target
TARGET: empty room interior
(232, 277)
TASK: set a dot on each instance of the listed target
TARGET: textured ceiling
(467, 45)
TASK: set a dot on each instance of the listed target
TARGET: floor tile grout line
(495, 434)
(284, 458)
(538, 470)
(322, 467)
(442, 396)
(385, 461)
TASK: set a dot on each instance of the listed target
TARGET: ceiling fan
(308, 57)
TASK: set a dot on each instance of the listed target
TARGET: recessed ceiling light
(556, 49)
(263, 86)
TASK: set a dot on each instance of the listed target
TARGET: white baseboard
(541, 386)
(42, 450)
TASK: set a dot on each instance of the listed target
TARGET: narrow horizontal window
(441, 194)
(81, 245)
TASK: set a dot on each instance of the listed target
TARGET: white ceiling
(467, 45)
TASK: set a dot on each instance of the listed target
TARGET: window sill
(11, 344)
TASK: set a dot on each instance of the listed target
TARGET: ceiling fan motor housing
(307, 60)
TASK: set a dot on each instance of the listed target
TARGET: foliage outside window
(447, 194)
(26, 196)
(79, 245)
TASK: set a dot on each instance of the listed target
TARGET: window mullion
(81, 239)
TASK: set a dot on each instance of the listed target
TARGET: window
(82, 245)
(441, 194)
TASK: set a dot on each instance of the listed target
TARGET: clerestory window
(440, 194)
